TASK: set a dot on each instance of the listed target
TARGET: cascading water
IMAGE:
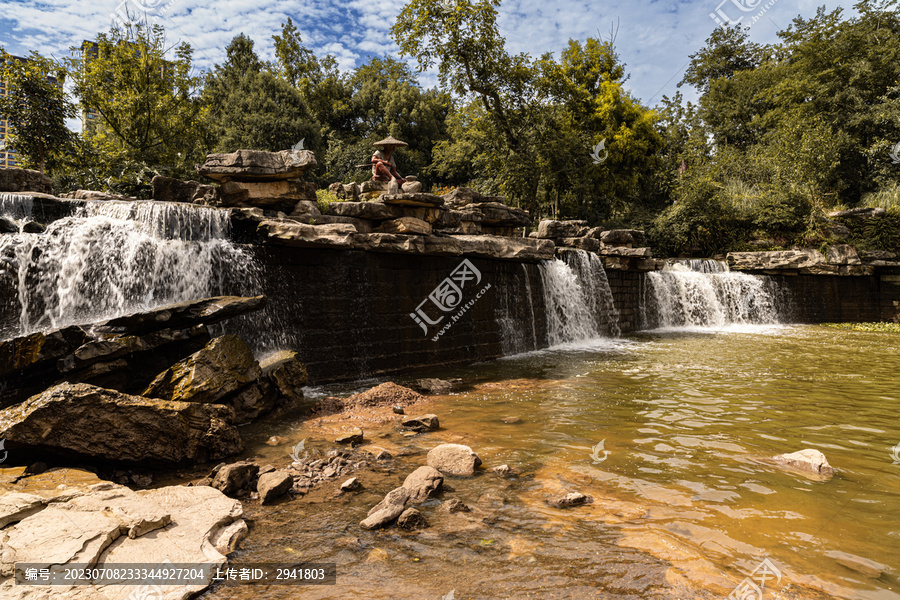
(112, 258)
(704, 293)
(577, 298)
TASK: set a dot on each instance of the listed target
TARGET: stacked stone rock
(461, 212)
(623, 249)
(152, 387)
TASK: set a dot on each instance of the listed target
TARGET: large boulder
(273, 485)
(224, 366)
(169, 189)
(231, 479)
(423, 483)
(87, 421)
(256, 165)
(561, 229)
(101, 523)
(454, 459)
(24, 180)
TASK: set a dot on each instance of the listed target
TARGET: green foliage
(781, 211)
(250, 107)
(37, 109)
(147, 107)
(324, 198)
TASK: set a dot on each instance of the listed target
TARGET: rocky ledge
(150, 388)
(840, 259)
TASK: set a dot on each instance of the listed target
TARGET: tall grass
(887, 197)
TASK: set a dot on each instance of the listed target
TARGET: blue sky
(654, 38)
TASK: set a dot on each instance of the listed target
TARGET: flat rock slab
(418, 199)
(93, 422)
(182, 315)
(256, 165)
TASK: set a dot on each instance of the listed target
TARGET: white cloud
(654, 38)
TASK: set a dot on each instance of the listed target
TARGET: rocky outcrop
(454, 459)
(222, 367)
(169, 189)
(549, 229)
(496, 214)
(463, 196)
(256, 165)
(24, 180)
(840, 260)
(232, 478)
(273, 485)
(91, 422)
(207, 311)
(421, 423)
(419, 199)
(283, 195)
(809, 461)
(285, 371)
(76, 518)
(405, 225)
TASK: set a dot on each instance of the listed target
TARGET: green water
(686, 502)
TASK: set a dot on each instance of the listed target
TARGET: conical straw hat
(389, 141)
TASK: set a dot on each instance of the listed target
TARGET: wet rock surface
(454, 459)
(808, 460)
(423, 483)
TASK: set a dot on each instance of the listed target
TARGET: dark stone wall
(628, 291)
(348, 313)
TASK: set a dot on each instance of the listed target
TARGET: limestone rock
(421, 423)
(253, 400)
(256, 165)
(786, 259)
(280, 195)
(617, 237)
(502, 470)
(423, 483)
(411, 519)
(306, 208)
(418, 199)
(624, 251)
(584, 243)
(39, 347)
(182, 315)
(463, 196)
(387, 510)
(549, 229)
(454, 459)
(273, 485)
(411, 187)
(287, 373)
(235, 477)
(570, 499)
(93, 422)
(808, 460)
(385, 394)
(225, 365)
(351, 485)
(354, 436)
(842, 254)
(16, 506)
(24, 180)
(496, 214)
(406, 226)
(433, 386)
(374, 210)
(168, 189)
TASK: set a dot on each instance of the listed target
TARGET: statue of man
(384, 167)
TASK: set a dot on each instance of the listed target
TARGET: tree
(146, 105)
(37, 108)
(253, 108)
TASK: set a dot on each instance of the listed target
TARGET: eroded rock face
(93, 422)
(454, 459)
(105, 523)
(182, 314)
(549, 229)
(24, 180)
(287, 373)
(230, 479)
(224, 366)
(808, 460)
(256, 165)
(840, 261)
(169, 189)
(405, 225)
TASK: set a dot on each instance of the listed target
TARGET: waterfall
(112, 258)
(577, 298)
(704, 293)
(514, 313)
